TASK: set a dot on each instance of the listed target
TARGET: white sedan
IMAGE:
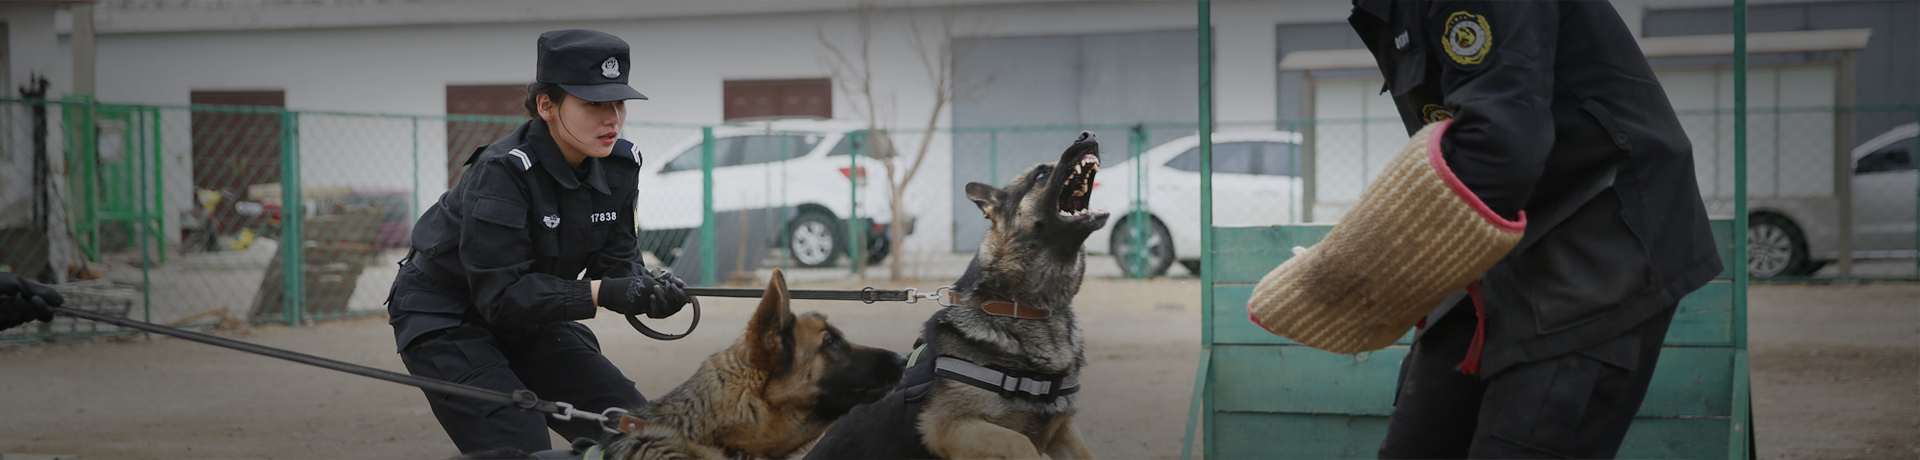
(1255, 182)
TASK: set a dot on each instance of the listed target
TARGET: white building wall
(680, 63)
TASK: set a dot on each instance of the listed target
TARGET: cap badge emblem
(610, 69)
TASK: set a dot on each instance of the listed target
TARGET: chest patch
(552, 221)
(1468, 38)
(603, 218)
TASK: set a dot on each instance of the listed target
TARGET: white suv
(1254, 183)
(795, 171)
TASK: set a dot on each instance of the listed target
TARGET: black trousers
(1577, 405)
(557, 361)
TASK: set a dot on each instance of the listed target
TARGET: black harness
(923, 371)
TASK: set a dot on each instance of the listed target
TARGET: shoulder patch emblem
(1434, 112)
(526, 162)
(552, 221)
(1468, 38)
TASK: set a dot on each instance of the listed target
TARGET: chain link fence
(1824, 205)
(176, 215)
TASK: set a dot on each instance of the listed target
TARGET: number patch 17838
(604, 217)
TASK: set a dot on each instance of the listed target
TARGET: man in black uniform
(1555, 113)
(22, 300)
(490, 293)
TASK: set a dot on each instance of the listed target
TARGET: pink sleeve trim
(1460, 189)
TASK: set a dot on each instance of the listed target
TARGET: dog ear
(770, 332)
(985, 196)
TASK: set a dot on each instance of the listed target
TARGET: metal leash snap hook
(939, 295)
(566, 409)
(913, 295)
(610, 419)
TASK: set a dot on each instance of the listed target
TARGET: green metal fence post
(1206, 234)
(292, 220)
(145, 229)
(855, 231)
(1740, 437)
(1137, 221)
(708, 273)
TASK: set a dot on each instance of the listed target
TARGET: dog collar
(1001, 308)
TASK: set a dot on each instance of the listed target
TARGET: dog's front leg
(1068, 444)
(977, 438)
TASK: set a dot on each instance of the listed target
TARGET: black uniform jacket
(507, 245)
(1557, 113)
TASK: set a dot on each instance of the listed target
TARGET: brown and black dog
(769, 395)
(996, 375)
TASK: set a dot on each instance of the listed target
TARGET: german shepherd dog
(1011, 329)
(774, 391)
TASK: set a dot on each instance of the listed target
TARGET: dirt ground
(1834, 376)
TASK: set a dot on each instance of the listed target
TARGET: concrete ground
(1834, 374)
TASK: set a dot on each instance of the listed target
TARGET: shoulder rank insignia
(521, 158)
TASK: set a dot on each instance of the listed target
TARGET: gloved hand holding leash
(22, 300)
(659, 295)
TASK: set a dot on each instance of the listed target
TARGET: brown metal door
(465, 136)
(778, 98)
(233, 149)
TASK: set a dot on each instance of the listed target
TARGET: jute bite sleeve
(1416, 235)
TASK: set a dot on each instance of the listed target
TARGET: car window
(1896, 157)
(688, 159)
(775, 147)
(846, 145)
(1276, 158)
(742, 150)
(1264, 158)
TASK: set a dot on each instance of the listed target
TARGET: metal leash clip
(939, 295)
(610, 419)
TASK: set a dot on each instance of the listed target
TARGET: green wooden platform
(1263, 396)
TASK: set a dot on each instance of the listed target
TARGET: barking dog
(775, 390)
(994, 376)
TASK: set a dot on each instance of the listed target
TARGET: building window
(778, 98)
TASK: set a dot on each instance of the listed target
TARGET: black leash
(868, 295)
(523, 399)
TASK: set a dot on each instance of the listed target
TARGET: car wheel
(1156, 248)
(813, 239)
(879, 244)
(1775, 247)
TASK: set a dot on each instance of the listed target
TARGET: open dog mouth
(1076, 191)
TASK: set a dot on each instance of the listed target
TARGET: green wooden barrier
(1273, 398)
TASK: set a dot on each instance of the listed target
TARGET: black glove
(22, 300)
(645, 295)
(673, 298)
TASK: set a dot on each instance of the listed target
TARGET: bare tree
(942, 58)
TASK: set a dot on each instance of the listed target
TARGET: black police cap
(589, 64)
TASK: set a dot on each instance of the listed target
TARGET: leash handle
(657, 335)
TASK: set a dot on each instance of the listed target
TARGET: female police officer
(490, 293)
